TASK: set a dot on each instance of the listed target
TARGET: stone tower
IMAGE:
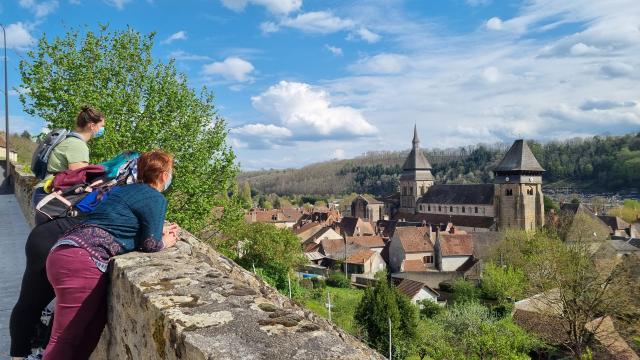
(416, 176)
(519, 200)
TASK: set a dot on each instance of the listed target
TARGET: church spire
(416, 140)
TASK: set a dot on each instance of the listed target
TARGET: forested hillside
(600, 162)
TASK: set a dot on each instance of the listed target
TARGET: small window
(509, 192)
(428, 207)
(428, 259)
(529, 191)
(450, 208)
(410, 190)
(463, 209)
(476, 210)
(439, 208)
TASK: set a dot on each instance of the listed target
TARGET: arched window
(476, 210)
(450, 208)
(463, 209)
(439, 208)
(509, 192)
(428, 207)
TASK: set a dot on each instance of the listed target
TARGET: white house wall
(451, 263)
(423, 294)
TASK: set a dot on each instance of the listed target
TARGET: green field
(344, 303)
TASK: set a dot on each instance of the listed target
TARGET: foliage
(338, 280)
(379, 304)
(276, 251)
(470, 331)
(23, 146)
(629, 211)
(464, 291)
(344, 303)
(429, 309)
(504, 284)
(549, 204)
(245, 195)
(147, 105)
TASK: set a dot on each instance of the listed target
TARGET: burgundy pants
(81, 303)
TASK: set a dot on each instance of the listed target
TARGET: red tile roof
(360, 256)
(371, 241)
(414, 266)
(414, 239)
(456, 244)
(411, 288)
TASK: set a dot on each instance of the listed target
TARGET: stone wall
(190, 302)
(23, 182)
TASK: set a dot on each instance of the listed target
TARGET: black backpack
(40, 157)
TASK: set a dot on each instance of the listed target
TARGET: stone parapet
(23, 183)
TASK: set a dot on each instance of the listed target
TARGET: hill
(599, 162)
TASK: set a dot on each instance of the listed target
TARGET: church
(514, 200)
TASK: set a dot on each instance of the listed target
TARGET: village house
(359, 259)
(411, 249)
(353, 226)
(367, 208)
(13, 156)
(371, 242)
(453, 250)
(617, 226)
(416, 291)
(281, 218)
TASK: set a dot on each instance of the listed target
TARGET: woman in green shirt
(72, 153)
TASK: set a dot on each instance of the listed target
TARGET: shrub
(338, 280)
(306, 283)
(429, 309)
(318, 283)
(446, 286)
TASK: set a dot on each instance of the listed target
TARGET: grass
(344, 303)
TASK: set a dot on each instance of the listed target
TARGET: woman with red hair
(130, 219)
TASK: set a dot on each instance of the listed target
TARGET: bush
(338, 280)
(306, 283)
(465, 291)
(446, 286)
(429, 309)
(318, 283)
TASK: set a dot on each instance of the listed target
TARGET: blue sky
(302, 81)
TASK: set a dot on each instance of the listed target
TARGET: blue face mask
(99, 133)
(168, 183)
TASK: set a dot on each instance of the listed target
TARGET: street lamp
(6, 101)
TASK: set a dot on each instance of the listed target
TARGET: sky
(302, 81)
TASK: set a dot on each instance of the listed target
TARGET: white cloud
(19, 36)
(491, 74)
(278, 7)
(262, 130)
(381, 64)
(180, 35)
(231, 69)
(39, 9)
(118, 4)
(309, 113)
(494, 23)
(322, 22)
(580, 49)
(185, 56)
(333, 49)
(269, 27)
(367, 35)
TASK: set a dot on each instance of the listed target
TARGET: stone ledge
(190, 302)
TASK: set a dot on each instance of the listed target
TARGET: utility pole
(6, 101)
(389, 337)
(289, 280)
(329, 304)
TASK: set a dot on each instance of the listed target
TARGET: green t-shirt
(70, 150)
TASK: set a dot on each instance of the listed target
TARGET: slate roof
(414, 239)
(519, 158)
(472, 194)
(615, 222)
(370, 199)
(416, 159)
(456, 244)
(348, 225)
(372, 241)
(484, 222)
(411, 288)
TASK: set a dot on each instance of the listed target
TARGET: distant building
(367, 208)
(13, 156)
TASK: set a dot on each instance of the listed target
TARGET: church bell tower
(416, 177)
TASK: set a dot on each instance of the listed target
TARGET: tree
(549, 204)
(25, 134)
(379, 304)
(277, 204)
(429, 309)
(245, 195)
(464, 291)
(276, 252)
(502, 283)
(471, 331)
(147, 105)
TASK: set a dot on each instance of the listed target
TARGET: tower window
(509, 192)
(476, 210)
(428, 207)
(439, 208)
(450, 208)
(463, 209)
(410, 190)
(529, 191)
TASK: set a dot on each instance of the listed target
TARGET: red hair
(152, 164)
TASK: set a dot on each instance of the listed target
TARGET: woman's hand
(170, 235)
